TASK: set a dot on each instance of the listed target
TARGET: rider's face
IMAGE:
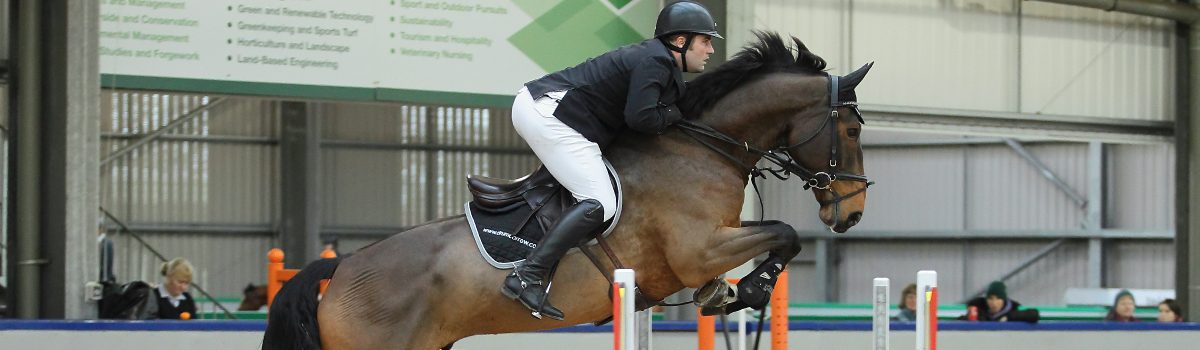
(698, 53)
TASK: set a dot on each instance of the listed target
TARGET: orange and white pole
(624, 322)
(706, 331)
(926, 310)
(779, 313)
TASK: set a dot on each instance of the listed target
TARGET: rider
(569, 116)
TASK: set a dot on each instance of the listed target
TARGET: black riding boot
(530, 282)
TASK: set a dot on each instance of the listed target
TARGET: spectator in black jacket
(997, 307)
(171, 297)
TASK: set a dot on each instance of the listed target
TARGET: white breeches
(573, 160)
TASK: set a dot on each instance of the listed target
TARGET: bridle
(781, 155)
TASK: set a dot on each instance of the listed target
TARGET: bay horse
(428, 287)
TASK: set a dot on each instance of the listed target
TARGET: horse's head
(823, 140)
(787, 110)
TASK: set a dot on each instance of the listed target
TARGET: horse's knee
(789, 240)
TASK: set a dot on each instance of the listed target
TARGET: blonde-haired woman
(172, 296)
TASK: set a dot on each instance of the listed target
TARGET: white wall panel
(916, 189)
(994, 55)
(1140, 264)
(934, 53)
(1007, 193)
(1142, 195)
(859, 262)
(1082, 61)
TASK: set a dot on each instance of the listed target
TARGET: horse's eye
(852, 132)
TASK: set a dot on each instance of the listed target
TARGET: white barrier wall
(1145, 336)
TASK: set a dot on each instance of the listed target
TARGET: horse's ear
(851, 80)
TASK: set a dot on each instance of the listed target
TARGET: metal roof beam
(1021, 125)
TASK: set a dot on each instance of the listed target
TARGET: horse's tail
(292, 318)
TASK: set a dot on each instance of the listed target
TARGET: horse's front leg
(743, 243)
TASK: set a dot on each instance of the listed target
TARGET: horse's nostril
(854, 217)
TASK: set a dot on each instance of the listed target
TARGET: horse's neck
(679, 165)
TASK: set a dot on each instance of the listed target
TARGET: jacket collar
(676, 73)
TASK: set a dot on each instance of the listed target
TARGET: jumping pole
(880, 321)
(624, 322)
(926, 310)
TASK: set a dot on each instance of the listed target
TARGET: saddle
(539, 192)
(509, 217)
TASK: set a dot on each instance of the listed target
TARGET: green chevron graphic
(569, 31)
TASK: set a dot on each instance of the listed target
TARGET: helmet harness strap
(681, 50)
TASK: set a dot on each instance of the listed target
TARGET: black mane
(769, 54)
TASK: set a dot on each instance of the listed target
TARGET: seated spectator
(1122, 309)
(997, 307)
(908, 304)
(1170, 311)
(172, 298)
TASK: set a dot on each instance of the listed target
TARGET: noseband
(781, 155)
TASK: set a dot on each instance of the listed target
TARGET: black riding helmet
(684, 17)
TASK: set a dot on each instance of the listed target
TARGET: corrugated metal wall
(1142, 195)
(1017, 56)
(1081, 61)
(964, 188)
(389, 166)
(192, 177)
(380, 175)
(208, 190)
(994, 55)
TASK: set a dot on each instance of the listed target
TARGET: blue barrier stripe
(665, 326)
(113, 325)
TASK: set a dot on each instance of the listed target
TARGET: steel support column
(26, 208)
(1095, 213)
(58, 94)
(299, 175)
(1187, 167)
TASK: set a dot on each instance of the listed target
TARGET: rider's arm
(643, 111)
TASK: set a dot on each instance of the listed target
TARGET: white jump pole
(880, 320)
(624, 322)
(926, 310)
